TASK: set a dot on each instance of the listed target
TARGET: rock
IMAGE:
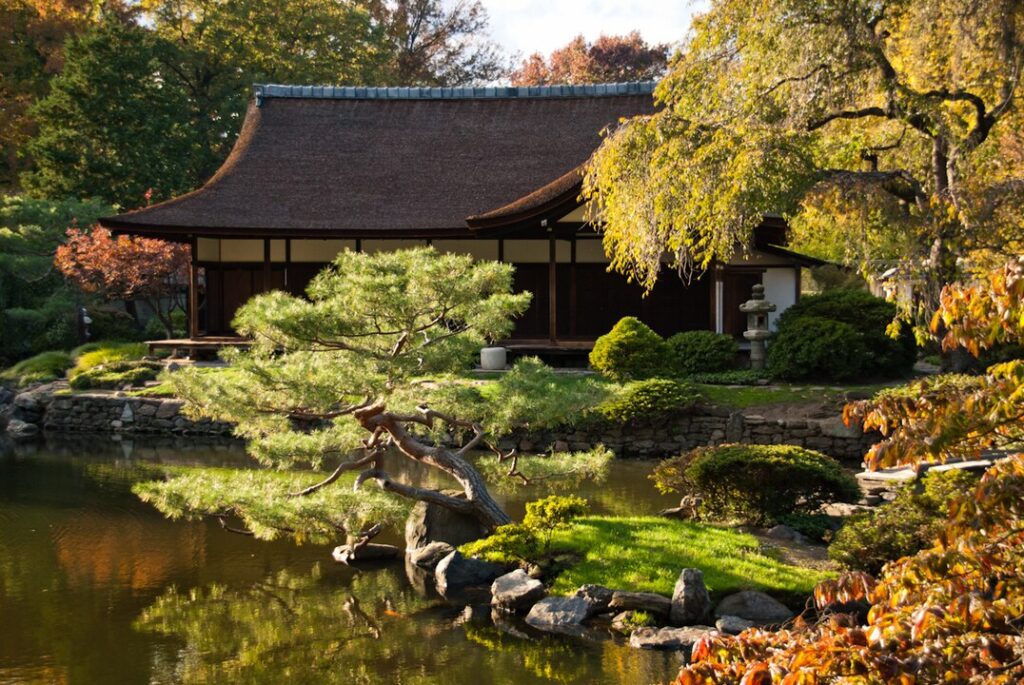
(167, 409)
(784, 532)
(652, 603)
(455, 572)
(834, 427)
(430, 555)
(675, 639)
(690, 601)
(433, 523)
(626, 622)
(598, 597)
(558, 614)
(754, 606)
(681, 513)
(127, 415)
(20, 430)
(516, 591)
(732, 625)
(369, 552)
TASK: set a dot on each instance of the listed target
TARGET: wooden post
(552, 290)
(193, 291)
(266, 265)
(572, 288)
(287, 261)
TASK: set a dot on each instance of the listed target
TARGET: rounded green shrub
(759, 484)
(109, 323)
(630, 351)
(702, 352)
(812, 348)
(116, 375)
(43, 367)
(654, 398)
(882, 355)
(900, 528)
(94, 355)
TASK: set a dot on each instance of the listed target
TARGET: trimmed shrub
(702, 352)
(116, 375)
(630, 351)
(654, 398)
(530, 541)
(817, 527)
(900, 528)
(812, 348)
(759, 484)
(869, 317)
(93, 355)
(42, 368)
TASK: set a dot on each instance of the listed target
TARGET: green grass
(646, 554)
(762, 395)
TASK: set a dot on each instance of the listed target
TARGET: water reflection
(96, 587)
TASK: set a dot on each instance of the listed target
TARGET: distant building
(490, 172)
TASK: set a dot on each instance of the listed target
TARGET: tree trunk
(478, 501)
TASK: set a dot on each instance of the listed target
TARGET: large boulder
(516, 591)
(347, 554)
(654, 604)
(558, 614)
(429, 522)
(456, 572)
(691, 603)
(732, 625)
(674, 639)
(754, 606)
(430, 555)
(598, 598)
(22, 430)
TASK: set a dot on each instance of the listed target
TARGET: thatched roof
(396, 162)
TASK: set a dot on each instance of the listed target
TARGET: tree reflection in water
(367, 627)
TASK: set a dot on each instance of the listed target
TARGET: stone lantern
(756, 309)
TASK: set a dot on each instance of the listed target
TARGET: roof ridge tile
(262, 91)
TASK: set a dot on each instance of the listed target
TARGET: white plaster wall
(535, 251)
(390, 245)
(247, 250)
(319, 251)
(478, 249)
(780, 288)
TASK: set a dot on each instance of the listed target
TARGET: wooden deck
(193, 346)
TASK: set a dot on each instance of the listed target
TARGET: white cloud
(528, 26)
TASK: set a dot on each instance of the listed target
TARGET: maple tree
(951, 613)
(126, 268)
(609, 59)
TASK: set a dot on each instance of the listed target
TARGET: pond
(97, 587)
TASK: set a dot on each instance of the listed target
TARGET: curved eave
(551, 201)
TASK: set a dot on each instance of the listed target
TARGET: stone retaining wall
(708, 426)
(119, 414)
(110, 413)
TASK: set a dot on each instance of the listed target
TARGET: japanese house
(490, 172)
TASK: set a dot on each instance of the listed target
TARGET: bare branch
(342, 468)
(846, 114)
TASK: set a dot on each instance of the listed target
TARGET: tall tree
(609, 59)
(879, 121)
(222, 47)
(113, 126)
(438, 42)
(32, 37)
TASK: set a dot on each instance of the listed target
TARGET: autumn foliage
(125, 268)
(953, 613)
(609, 59)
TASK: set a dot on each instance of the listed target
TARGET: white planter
(493, 358)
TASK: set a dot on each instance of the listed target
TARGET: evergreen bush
(630, 351)
(654, 398)
(758, 484)
(702, 352)
(43, 367)
(812, 348)
(869, 317)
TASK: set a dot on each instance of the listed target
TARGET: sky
(529, 26)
